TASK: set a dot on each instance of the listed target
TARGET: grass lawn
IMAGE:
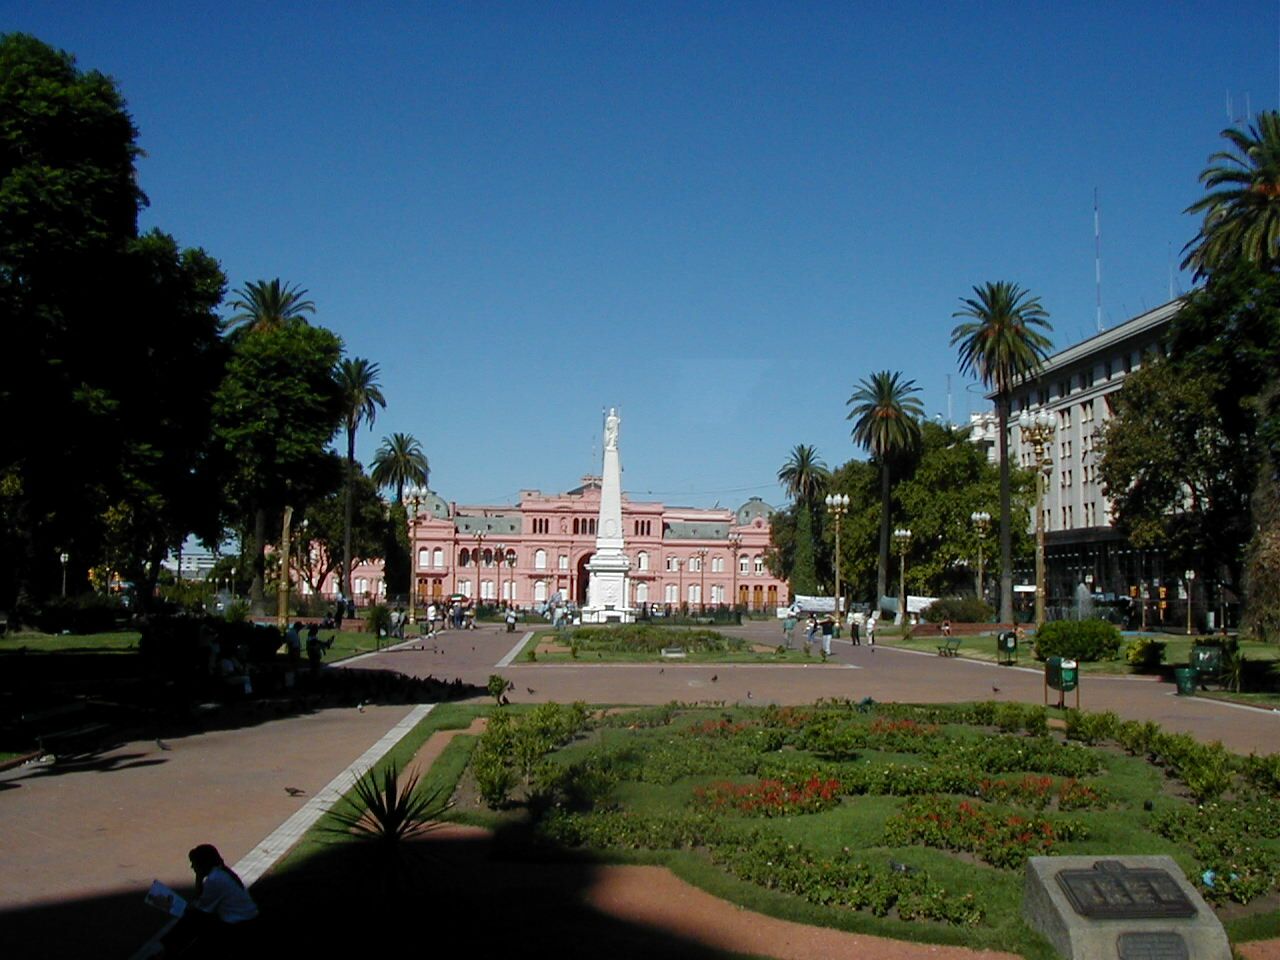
(1177, 651)
(124, 641)
(644, 643)
(1251, 699)
(907, 822)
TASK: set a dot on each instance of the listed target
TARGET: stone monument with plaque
(607, 583)
(1120, 908)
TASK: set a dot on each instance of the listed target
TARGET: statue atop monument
(611, 429)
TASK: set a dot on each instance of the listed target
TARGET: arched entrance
(582, 578)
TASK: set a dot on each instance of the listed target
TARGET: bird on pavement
(662, 669)
(294, 791)
(531, 690)
(994, 688)
(715, 677)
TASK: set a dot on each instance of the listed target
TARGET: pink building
(526, 553)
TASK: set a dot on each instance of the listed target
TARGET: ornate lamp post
(1190, 576)
(702, 586)
(902, 537)
(679, 585)
(478, 558)
(1037, 429)
(414, 506)
(64, 557)
(510, 559)
(233, 584)
(982, 523)
(735, 547)
(498, 557)
(837, 506)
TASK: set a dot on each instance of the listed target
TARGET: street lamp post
(233, 584)
(415, 504)
(510, 559)
(479, 557)
(1038, 428)
(735, 545)
(1190, 576)
(982, 523)
(702, 586)
(679, 586)
(498, 558)
(837, 506)
(902, 537)
(64, 557)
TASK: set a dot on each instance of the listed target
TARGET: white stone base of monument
(1120, 908)
(607, 590)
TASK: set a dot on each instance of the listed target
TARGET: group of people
(315, 646)
(822, 630)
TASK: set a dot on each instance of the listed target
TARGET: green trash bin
(1063, 675)
(1185, 677)
(1006, 647)
(1206, 661)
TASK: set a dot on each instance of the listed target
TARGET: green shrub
(1145, 653)
(1092, 728)
(378, 622)
(645, 638)
(959, 610)
(87, 613)
(1078, 639)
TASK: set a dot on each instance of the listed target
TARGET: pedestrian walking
(828, 630)
(788, 630)
(871, 629)
(810, 630)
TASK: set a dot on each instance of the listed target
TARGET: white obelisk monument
(607, 587)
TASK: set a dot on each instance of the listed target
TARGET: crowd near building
(528, 553)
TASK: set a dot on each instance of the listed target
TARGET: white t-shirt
(225, 899)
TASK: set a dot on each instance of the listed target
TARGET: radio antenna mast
(1097, 259)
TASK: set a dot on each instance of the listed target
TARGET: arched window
(743, 565)
(540, 561)
(511, 558)
(464, 587)
(695, 593)
(488, 557)
(642, 561)
(424, 557)
(540, 591)
(362, 585)
(717, 564)
(562, 562)
(671, 593)
(464, 557)
(672, 564)
(695, 564)
(437, 557)
(508, 590)
(575, 526)
(642, 593)
(486, 589)
(758, 561)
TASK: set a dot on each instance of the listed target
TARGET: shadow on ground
(460, 895)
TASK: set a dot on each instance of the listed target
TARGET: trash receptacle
(1185, 677)
(1006, 647)
(1206, 661)
(1062, 674)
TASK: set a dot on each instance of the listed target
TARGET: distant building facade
(524, 554)
(1077, 385)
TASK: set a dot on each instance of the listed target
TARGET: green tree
(361, 397)
(274, 415)
(1242, 208)
(400, 462)
(266, 305)
(112, 468)
(804, 475)
(1002, 344)
(322, 531)
(937, 496)
(887, 424)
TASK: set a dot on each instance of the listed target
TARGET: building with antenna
(1077, 386)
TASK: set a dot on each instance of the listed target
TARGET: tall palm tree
(805, 477)
(1242, 209)
(400, 461)
(262, 304)
(886, 423)
(1000, 345)
(361, 397)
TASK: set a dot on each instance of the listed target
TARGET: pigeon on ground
(294, 791)
(994, 688)
(531, 690)
(360, 706)
(715, 677)
(662, 669)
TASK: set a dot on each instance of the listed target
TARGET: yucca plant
(387, 811)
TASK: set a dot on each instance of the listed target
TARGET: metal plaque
(1152, 946)
(1111, 891)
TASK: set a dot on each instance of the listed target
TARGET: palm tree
(1000, 345)
(805, 477)
(358, 381)
(1242, 209)
(886, 424)
(263, 304)
(400, 461)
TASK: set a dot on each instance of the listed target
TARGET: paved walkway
(82, 841)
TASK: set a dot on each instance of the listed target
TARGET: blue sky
(718, 217)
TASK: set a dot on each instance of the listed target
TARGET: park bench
(68, 728)
(950, 648)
